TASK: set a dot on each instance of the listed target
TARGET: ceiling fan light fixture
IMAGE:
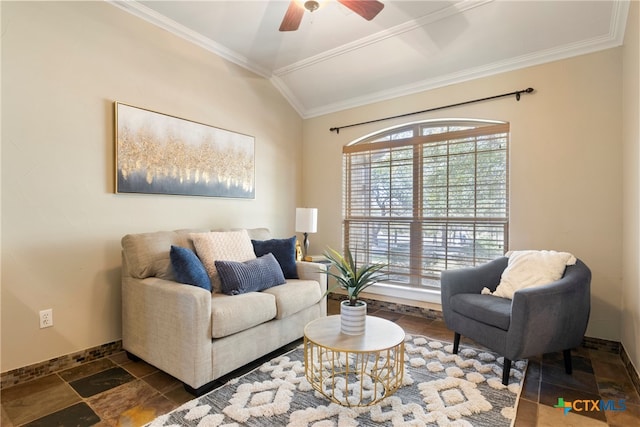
(368, 9)
(311, 5)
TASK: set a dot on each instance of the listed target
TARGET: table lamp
(306, 222)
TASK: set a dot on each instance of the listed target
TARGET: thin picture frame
(156, 153)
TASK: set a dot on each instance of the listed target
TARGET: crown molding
(382, 35)
(288, 95)
(524, 61)
(159, 20)
(614, 38)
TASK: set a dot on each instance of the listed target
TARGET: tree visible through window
(427, 197)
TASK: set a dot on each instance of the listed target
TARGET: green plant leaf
(349, 277)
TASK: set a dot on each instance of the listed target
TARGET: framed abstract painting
(161, 154)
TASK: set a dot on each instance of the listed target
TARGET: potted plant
(354, 280)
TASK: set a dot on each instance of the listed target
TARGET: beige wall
(565, 182)
(63, 65)
(631, 187)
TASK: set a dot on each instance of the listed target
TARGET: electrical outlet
(46, 318)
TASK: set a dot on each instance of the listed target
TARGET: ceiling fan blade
(368, 9)
(292, 17)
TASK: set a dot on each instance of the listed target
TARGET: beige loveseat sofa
(196, 335)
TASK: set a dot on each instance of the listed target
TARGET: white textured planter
(353, 319)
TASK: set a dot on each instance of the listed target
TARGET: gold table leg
(352, 378)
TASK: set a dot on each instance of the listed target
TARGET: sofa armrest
(313, 271)
(168, 325)
(551, 317)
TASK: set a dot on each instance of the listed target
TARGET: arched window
(426, 197)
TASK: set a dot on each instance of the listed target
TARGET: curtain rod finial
(527, 90)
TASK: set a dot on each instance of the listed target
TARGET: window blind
(427, 197)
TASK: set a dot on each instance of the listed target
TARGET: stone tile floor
(115, 391)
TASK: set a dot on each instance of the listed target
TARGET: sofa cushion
(223, 245)
(294, 296)
(249, 276)
(487, 309)
(147, 254)
(231, 314)
(283, 249)
(188, 268)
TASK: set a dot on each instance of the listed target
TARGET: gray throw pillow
(249, 276)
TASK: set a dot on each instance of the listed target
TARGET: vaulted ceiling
(338, 60)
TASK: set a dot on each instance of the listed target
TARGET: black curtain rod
(516, 93)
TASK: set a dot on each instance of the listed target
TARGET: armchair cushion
(283, 249)
(531, 268)
(487, 309)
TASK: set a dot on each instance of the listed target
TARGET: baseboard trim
(631, 370)
(42, 369)
(601, 345)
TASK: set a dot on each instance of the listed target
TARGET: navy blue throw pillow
(283, 249)
(249, 276)
(188, 268)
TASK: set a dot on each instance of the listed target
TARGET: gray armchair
(538, 320)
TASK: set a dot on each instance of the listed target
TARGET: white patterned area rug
(439, 389)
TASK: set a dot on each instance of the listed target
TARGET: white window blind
(427, 197)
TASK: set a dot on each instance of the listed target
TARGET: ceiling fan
(368, 9)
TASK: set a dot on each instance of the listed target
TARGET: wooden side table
(354, 370)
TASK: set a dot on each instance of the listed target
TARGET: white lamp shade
(306, 220)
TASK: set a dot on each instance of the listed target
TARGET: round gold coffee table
(354, 370)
